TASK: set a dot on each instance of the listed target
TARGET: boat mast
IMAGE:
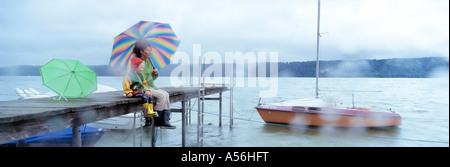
(317, 51)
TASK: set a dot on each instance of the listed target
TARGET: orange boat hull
(316, 119)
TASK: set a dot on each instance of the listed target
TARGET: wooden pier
(20, 119)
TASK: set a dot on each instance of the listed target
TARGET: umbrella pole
(152, 63)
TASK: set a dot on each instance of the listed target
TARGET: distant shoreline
(381, 68)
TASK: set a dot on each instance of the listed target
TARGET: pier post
(21, 143)
(189, 109)
(134, 129)
(183, 123)
(231, 106)
(153, 132)
(220, 109)
(76, 136)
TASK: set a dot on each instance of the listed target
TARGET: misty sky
(32, 32)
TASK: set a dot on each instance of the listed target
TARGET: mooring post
(76, 136)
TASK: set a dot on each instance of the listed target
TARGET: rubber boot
(148, 109)
(165, 120)
(148, 121)
(158, 120)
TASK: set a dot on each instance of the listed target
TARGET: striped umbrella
(161, 37)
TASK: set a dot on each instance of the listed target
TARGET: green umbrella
(68, 78)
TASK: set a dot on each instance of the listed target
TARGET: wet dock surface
(20, 119)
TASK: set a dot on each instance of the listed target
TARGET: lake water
(423, 104)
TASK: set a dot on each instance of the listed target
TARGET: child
(135, 85)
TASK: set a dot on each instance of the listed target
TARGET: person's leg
(162, 99)
(162, 107)
(166, 119)
(147, 105)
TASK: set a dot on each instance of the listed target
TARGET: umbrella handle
(54, 99)
(59, 98)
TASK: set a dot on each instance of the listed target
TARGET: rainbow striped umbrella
(162, 40)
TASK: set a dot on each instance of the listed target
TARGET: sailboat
(317, 112)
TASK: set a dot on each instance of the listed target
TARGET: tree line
(382, 68)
